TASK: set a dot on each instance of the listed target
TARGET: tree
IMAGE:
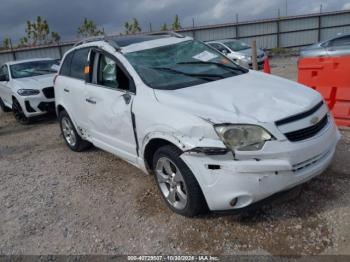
(55, 37)
(6, 44)
(38, 32)
(23, 42)
(88, 29)
(176, 24)
(128, 28)
(133, 27)
(164, 27)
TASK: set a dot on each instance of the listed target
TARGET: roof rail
(98, 38)
(170, 33)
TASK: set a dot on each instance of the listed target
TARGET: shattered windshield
(182, 65)
(36, 68)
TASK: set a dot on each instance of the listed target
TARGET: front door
(108, 102)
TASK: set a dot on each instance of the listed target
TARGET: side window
(4, 71)
(78, 63)
(223, 49)
(342, 41)
(220, 48)
(65, 69)
(109, 74)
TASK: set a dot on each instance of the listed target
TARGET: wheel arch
(152, 145)
(60, 108)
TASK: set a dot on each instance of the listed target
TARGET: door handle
(127, 98)
(89, 100)
(66, 90)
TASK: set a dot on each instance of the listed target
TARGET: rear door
(5, 89)
(108, 102)
(72, 85)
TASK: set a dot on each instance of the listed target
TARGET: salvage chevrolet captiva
(216, 136)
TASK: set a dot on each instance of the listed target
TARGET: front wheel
(177, 184)
(70, 134)
(3, 107)
(18, 113)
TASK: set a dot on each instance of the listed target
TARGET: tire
(188, 199)
(70, 134)
(3, 107)
(18, 113)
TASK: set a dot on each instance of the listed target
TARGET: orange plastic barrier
(331, 77)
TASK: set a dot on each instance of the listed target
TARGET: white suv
(215, 135)
(26, 88)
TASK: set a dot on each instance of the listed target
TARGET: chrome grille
(308, 132)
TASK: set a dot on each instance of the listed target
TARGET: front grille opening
(308, 132)
(49, 92)
(310, 162)
(29, 107)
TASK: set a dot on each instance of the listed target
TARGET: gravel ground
(54, 201)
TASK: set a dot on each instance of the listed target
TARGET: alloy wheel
(68, 131)
(171, 183)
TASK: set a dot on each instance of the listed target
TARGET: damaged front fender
(197, 144)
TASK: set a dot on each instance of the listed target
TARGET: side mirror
(4, 78)
(87, 74)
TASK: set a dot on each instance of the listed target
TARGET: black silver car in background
(336, 46)
(239, 52)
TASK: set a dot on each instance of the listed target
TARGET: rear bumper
(250, 181)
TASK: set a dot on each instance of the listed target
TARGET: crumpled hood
(35, 82)
(249, 98)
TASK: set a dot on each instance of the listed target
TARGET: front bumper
(251, 180)
(37, 105)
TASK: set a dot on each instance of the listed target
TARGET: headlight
(28, 92)
(244, 57)
(243, 137)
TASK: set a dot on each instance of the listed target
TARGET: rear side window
(78, 63)
(65, 69)
(342, 41)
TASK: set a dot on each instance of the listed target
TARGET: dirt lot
(54, 201)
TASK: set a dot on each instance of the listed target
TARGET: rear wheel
(177, 184)
(3, 107)
(19, 114)
(70, 134)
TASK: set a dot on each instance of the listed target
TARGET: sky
(65, 16)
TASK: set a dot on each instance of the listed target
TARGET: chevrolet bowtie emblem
(314, 120)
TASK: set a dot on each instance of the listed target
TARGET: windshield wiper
(207, 77)
(46, 70)
(240, 69)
